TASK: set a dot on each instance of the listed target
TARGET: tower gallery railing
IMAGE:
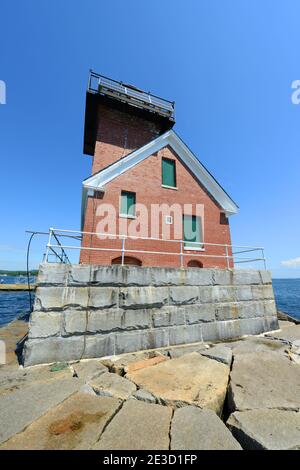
(99, 84)
(57, 250)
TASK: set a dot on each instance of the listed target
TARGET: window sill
(127, 216)
(193, 248)
(169, 187)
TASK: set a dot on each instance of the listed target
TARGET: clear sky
(228, 65)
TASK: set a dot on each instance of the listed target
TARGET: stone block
(223, 294)
(53, 273)
(205, 294)
(54, 349)
(99, 346)
(44, 324)
(136, 319)
(140, 340)
(185, 334)
(168, 316)
(137, 426)
(266, 429)
(246, 277)
(180, 295)
(196, 429)
(219, 353)
(75, 321)
(243, 293)
(50, 298)
(102, 297)
(199, 313)
(198, 277)
(270, 308)
(143, 297)
(221, 277)
(266, 276)
(112, 385)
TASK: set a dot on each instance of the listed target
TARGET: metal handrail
(56, 233)
(100, 84)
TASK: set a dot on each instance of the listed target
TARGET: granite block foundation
(86, 311)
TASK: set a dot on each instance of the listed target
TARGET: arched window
(193, 263)
(128, 260)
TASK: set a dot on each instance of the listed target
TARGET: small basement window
(168, 172)
(127, 206)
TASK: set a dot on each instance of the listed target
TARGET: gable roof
(104, 176)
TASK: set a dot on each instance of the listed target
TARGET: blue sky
(228, 65)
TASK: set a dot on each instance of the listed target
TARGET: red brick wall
(145, 180)
(118, 135)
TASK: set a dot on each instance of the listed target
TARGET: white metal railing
(59, 250)
(107, 86)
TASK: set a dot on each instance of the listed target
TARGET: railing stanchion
(181, 254)
(264, 259)
(48, 245)
(123, 250)
(227, 258)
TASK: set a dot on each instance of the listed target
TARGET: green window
(168, 172)
(192, 232)
(127, 203)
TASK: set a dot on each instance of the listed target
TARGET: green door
(192, 232)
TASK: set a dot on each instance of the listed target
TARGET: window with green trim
(169, 172)
(127, 206)
(192, 232)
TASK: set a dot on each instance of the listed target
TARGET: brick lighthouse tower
(139, 163)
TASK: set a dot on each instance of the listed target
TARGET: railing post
(264, 259)
(181, 254)
(227, 257)
(48, 244)
(123, 250)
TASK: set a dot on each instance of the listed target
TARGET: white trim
(169, 187)
(127, 216)
(100, 179)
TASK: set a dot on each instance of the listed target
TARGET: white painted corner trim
(100, 179)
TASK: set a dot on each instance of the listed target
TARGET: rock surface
(190, 379)
(75, 424)
(266, 429)
(264, 380)
(137, 426)
(196, 429)
(219, 353)
(112, 385)
(20, 408)
(289, 334)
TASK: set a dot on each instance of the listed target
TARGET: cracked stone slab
(179, 351)
(264, 380)
(255, 344)
(266, 429)
(143, 395)
(20, 408)
(219, 353)
(113, 385)
(89, 369)
(120, 364)
(74, 424)
(196, 429)
(190, 379)
(137, 426)
(288, 334)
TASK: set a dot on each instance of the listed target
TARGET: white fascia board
(168, 138)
